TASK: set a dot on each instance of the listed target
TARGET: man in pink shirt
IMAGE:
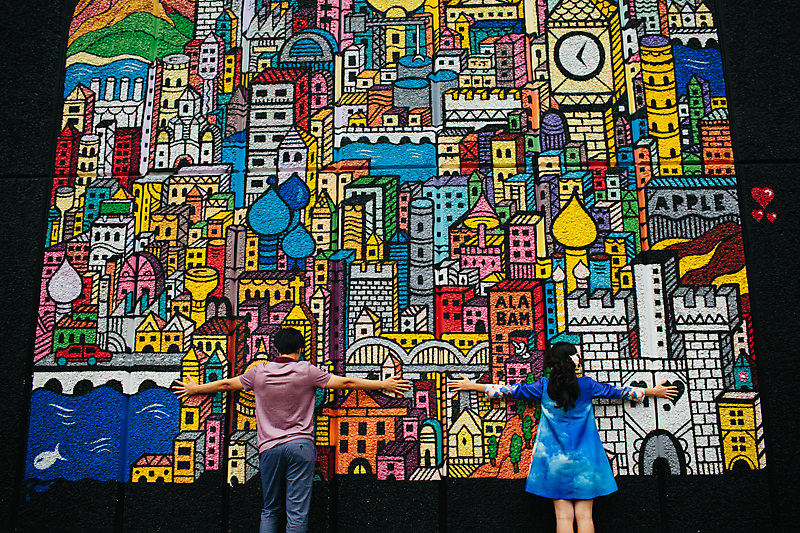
(285, 390)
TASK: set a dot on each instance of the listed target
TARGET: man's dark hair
(288, 340)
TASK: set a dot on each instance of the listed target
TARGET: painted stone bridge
(128, 373)
(386, 134)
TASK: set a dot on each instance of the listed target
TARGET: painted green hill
(139, 34)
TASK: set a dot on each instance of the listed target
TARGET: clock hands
(579, 55)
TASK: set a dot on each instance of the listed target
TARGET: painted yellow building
(300, 318)
(484, 10)
(504, 163)
(88, 163)
(494, 422)
(395, 44)
(568, 185)
(357, 120)
(408, 340)
(741, 430)
(190, 367)
(176, 334)
(465, 341)
(187, 451)
(196, 254)
(549, 164)
(194, 412)
(251, 251)
(321, 218)
(374, 247)
(152, 468)
(321, 127)
(465, 445)
(206, 178)
(366, 79)
(79, 109)
(616, 247)
(150, 193)
(174, 79)
(148, 334)
(661, 100)
(461, 26)
(448, 153)
(353, 228)
(181, 304)
(279, 288)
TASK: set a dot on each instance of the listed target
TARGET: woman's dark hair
(562, 386)
(288, 340)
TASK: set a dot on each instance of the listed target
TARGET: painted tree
(515, 452)
(519, 407)
(527, 430)
(491, 449)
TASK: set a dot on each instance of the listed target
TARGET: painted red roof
(515, 285)
(273, 75)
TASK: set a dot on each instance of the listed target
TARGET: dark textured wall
(758, 44)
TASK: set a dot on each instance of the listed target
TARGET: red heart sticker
(772, 216)
(762, 195)
(758, 214)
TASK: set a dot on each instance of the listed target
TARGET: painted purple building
(398, 460)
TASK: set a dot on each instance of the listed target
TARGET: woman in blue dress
(569, 464)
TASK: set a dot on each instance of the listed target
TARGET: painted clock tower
(584, 48)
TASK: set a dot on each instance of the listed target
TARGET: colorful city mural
(422, 187)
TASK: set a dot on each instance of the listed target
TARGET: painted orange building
(715, 141)
(362, 423)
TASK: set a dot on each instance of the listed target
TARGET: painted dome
(574, 227)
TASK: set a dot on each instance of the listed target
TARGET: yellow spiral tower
(658, 74)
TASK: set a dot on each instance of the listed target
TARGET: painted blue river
(98, 435)
(408, 161)
(705, 62)
(83, 73)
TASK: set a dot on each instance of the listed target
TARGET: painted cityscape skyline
(422, 188)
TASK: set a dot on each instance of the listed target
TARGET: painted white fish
(46, 459)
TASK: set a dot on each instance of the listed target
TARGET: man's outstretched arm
(389, 385)
(184, 389)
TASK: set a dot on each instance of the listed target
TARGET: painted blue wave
(98, 435)
(83, 73)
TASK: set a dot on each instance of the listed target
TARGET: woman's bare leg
(565, 516)
(583, 515)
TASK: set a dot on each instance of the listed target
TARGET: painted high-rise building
(420, 247)
(661, 99)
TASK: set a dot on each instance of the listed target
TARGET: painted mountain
(715, 258)
(146, 29)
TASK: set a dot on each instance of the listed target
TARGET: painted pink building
(321, 90)
(484, 252)
(141, 275)
(510, 60)
(214, 425)
(398, 460)
(475, 315)
(330, 17)
(522, 245)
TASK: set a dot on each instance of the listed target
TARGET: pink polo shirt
(284, 390)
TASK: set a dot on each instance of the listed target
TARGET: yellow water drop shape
(574, 227)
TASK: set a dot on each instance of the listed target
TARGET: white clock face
(579, 55)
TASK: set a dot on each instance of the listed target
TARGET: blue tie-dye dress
(568, 461)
